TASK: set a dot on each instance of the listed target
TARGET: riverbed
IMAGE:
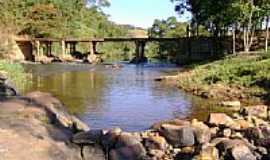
(106, 97)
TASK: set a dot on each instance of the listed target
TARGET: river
(104, 97)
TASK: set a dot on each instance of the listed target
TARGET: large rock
(221, 119)
(208, 153)
(235, 149)
(177, 122)
(109, 140)
(156, 143)
(258, 111)
(89, 137)
(26, 133)
(178, 136)
(127, 139)
(202, 132)
(134, 152)
(56, 111)
(94, 152)
(233, 105)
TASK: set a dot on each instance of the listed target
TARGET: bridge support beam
(93, 48)
(139, 53)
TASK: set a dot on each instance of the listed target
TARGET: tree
(219, 15)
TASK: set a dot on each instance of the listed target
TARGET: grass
(14, 71)
(247, 73)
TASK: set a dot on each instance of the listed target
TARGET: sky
(140, 13)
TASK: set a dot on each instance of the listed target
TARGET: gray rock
(127, 139)
(221, 119)
(178, 136)
(156, 143)
(94, 152)
(109, 140)
(258, 111)
(90, 137)
(134, 152)
(202, 132)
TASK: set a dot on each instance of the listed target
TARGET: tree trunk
(234, 39)
(267, 33)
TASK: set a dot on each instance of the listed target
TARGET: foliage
(220, 16)
(15, 72)
(59, 18)
(243, 71)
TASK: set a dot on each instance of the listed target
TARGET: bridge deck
(107, 39)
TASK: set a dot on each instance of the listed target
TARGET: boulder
(94, 59)
(177, 122)
(134, 152)
(207, 153)
(221, 119)
(89, 137)
(94, 152)
(178, 136)
(155, 143)
(127, 139)
(56, 111)
(258, 111)
(235, 149)
(202, 132)
(233, 105)
(109, 140)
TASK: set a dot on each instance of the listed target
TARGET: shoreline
(45, 121)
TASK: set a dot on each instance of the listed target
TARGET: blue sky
(140, 13)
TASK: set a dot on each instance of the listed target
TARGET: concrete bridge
(31, 47)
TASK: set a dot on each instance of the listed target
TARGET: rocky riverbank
(36, 126)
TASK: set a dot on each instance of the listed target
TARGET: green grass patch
(244, 71)
(15, 72)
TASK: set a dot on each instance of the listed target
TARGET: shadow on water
(127, 97)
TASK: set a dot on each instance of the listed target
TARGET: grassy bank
(242, 77)
(14, 71)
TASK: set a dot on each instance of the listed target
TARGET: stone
(258, 111)
(79, 125)
(221, 119)
(178, 136)
(155, 143)
(94, 152)
(235, 149)
(207, 153)
(89, 137)
(94, 59)
(176, 122)
(156, 154)
(244, 124)
(234, 105)
(227, 132)
(127, 139)
(110, 138)
(253, 133)
(134, 152)
(202, 132)
(241, 152)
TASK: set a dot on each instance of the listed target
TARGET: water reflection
(105, 98)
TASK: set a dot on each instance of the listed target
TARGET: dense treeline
(58, 18)
(62, 18)
(221, 17)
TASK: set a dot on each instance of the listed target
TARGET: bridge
(32, 46)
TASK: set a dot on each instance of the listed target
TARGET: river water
(104, 97)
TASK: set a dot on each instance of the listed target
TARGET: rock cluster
(37, 126)
(244, 136)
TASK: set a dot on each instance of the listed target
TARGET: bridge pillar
(139, 53)
(63, 46)
(93, 47)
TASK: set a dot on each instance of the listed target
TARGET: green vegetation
(14, 71)
(247, 74)
(221, 17)
(62, 18)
